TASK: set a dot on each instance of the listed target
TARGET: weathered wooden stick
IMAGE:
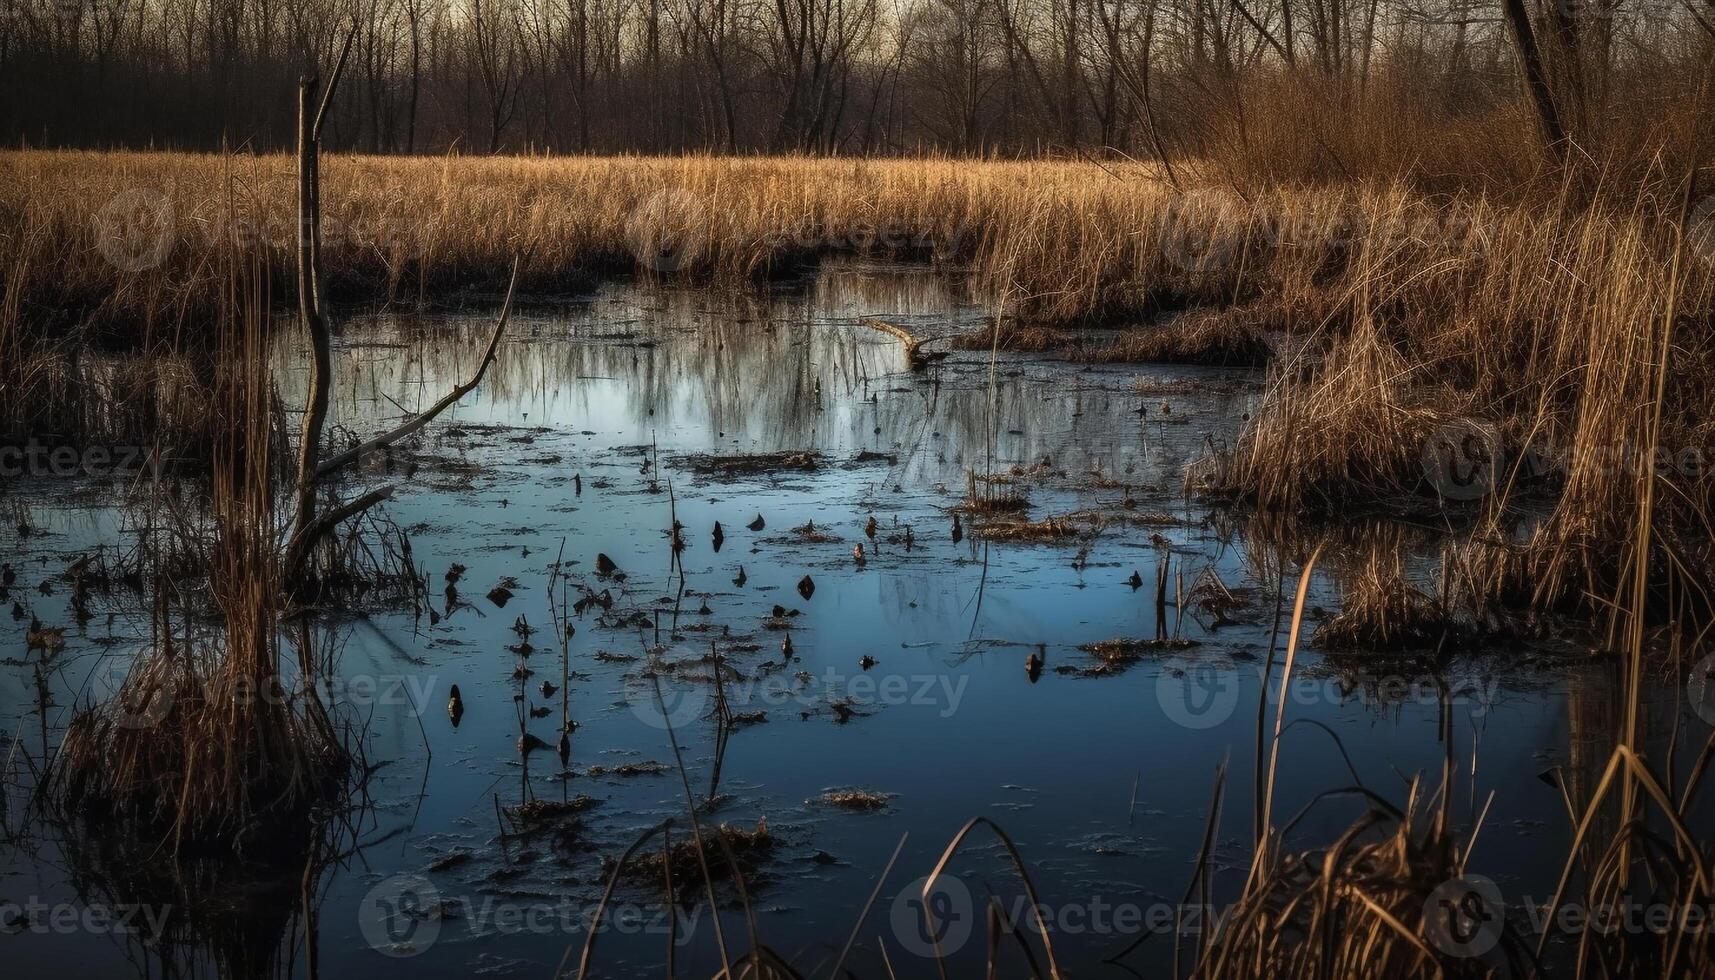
(303, 540)
(914, 354)
(451, 398)
(315, 324)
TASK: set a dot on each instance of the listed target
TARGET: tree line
(993, 77)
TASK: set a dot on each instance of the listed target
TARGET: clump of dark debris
(809, 533)
(750, 464)
(1117, 655)
(854, 799)
(1047, 529)
(751, 849)
(536, 813)
(648, 768)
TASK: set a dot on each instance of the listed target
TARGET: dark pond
(907, 675)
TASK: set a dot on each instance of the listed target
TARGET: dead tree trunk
(311, 308)
(307, 527)
(1536, 80)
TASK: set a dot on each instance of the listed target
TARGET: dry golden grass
(1381, 609)
(1530, 315)
(1067, 242)
(214, 737)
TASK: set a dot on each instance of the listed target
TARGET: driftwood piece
(915, 356)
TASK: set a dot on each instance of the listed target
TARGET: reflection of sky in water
(949, 721)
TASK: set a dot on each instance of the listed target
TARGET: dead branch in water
(915, 356)
(310, 308)
(307, 528)
(412, 425)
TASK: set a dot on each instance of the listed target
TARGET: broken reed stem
(857, 926)
(1264, 849)
(1036, 905)
(696, 830)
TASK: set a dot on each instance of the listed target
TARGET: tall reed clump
(1479, 377)
(217, 738)
(1365, 907)
(1393, 896)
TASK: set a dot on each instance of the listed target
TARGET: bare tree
(494, 44)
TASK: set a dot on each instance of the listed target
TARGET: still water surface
(907, 674)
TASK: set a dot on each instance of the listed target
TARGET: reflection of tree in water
(844, 289)
(758, 372)
(236, 920)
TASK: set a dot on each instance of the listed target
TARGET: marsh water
(606, 419)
